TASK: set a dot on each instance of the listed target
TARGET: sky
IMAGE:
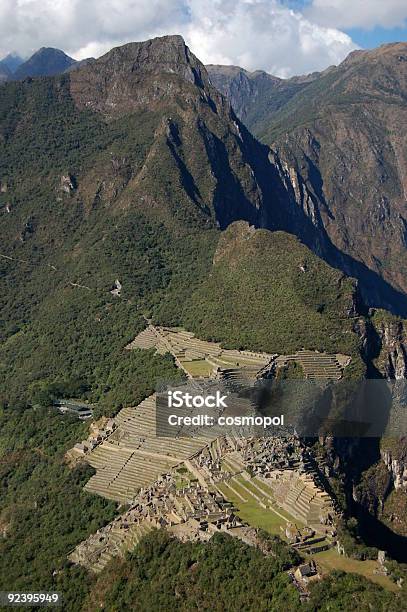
(283, 37)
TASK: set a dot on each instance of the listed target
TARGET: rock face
(140, 75)
(221, 166)
(392, 335)
(338, 144)
(396, 462)
(255, 95)
(44, 62)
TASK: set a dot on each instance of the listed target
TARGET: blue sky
(366, 37)
(369, 39)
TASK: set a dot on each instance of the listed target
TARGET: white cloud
(255, 34)
(263, 34)
(77, 26)
(359, 13)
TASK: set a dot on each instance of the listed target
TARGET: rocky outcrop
(220, 170)
(394, 456)
(67, 183)
(143, 75)
(392, 335)
(338, 145)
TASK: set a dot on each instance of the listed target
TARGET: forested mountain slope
(339, 144)
(130, 190)
(120, 171)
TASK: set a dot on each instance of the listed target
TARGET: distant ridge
(45, 62)
(11, 62)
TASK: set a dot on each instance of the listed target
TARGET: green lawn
(330, 560)
(198, 368)
(252, 512)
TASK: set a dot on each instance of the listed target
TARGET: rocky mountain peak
(137, 74)
(165, 54)
(12, 61)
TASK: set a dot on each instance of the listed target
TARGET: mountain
(277, 269)
(339, 146)
(134, 171)
(8, 65)
(45, 62)
(255, 95)
(5, 73)
(123, 169)
(136, 162)
(12, 61)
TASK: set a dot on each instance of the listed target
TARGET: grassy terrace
(330, 560)
(197, 368)
(251, 511)
(270, 521)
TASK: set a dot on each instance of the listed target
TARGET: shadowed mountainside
(338, 143)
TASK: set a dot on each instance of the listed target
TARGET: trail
(71, 283)
(30, 263)
(25, 261)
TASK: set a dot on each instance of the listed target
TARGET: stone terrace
(315, 365)
(187, 350)
(133, 456)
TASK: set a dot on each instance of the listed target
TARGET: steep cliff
(338, 145)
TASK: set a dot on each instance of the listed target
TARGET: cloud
(263, 34)
(77, 26)
(365, 14)
(256, 34)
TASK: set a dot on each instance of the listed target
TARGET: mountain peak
(165, 54)
(137, 74)
(11, 62)
(386, 52)
(47, 61)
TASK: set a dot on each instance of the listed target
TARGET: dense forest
(224, 575)
(44, 512)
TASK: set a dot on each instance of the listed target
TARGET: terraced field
(112, 543)
(315, 365)
(199, 358)
(299, 495)
(134, 456)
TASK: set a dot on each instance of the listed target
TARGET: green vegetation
(161, 251)
(44, 512)
(269, 292)
(53, 330)
(344, 591)
(225, 574)
(140, 209)
(83, 335)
